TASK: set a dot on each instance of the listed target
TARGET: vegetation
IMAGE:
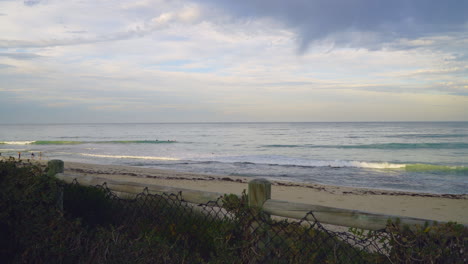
(438, 243)
(43, 220)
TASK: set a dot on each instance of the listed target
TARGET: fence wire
(228, 227)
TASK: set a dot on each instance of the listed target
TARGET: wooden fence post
(259, 192)
(54, 167)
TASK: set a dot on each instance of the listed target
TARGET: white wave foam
(288, 161)
(12, 150)
(127, 157)
(352, 164)
(372, 165)
(17, 142)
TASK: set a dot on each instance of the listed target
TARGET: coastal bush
(28, 206)
(437, 243)
(95, 226)
(89, 204)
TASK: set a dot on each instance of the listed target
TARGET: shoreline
(154, 173)
(439, 207)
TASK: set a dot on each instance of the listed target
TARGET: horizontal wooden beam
(192, 196)
(337, 216)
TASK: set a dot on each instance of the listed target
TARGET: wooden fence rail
(126, 187)
(259, 195)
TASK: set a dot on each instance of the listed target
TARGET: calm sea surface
(423, 157)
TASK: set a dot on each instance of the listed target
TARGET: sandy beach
(439, 207)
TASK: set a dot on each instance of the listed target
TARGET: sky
(110, 61)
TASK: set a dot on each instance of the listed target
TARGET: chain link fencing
(227, 227)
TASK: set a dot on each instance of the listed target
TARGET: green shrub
(29, 205)
(437, 243)
(89, 204)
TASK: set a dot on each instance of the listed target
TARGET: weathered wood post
(259, 193)
(54, 167)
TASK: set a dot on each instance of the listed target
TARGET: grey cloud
(31, 2)
(78, 40)
(456, 88)
(450, 41)
(19, 56)
(77, 31)
(7, 43)
(3, 66)
(382, 20)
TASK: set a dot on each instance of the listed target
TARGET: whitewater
(411, 156)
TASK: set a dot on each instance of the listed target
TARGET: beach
(439, 207)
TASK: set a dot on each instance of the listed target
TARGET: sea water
(411, 156)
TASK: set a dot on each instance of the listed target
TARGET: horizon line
(226, 122)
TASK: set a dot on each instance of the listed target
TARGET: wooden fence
(259, 195)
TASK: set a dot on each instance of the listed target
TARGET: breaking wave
(127, 157)
(68, 142)
(294, 162)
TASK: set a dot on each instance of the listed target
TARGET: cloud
(77, 31)
(20, 55)
(355, 23)
(188, 14)
(5, 43)
(31, 2)
(4, 66)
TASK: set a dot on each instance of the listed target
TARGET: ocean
(427, 157)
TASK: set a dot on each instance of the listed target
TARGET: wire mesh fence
(227, 227)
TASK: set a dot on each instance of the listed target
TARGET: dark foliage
(43, 220)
